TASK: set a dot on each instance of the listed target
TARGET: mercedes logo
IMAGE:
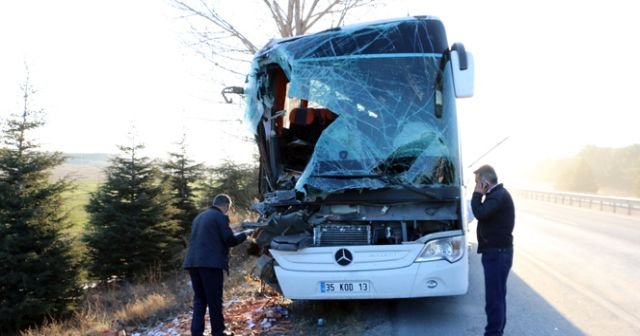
(344, 257)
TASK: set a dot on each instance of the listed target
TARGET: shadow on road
(527, 312)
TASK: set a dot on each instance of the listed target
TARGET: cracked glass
(383, 101)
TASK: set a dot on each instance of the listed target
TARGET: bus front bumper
(423, 279)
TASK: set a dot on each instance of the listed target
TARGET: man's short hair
(488, 173)
(222, 200)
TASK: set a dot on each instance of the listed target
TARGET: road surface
(576, 272)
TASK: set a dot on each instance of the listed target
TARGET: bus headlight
(449, 249)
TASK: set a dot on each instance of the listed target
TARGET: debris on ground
(177, 326)
(257, 316)
(250, 308)
(247, 316)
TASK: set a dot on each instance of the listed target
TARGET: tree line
(141, 215)
(597, 169)
(139, 220)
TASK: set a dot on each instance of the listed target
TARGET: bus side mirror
(462, 71)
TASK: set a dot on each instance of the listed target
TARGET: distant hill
(88, 158)
(83, 166)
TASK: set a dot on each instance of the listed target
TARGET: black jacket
(211, 238)
(496, 218)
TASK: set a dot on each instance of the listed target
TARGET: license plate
(345, 287)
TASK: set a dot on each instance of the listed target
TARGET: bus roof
(413, 34)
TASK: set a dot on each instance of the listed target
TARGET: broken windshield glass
(386, 121)
(379, 85)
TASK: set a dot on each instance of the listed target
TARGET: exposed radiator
(339, 234)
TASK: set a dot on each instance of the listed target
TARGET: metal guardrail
(630, 206)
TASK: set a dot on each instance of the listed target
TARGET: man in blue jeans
(207, 257)
(493, 208)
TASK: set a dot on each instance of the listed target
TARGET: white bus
(360, 170)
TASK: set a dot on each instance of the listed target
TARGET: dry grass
(140, 309)
(121, 306)
(133, 306)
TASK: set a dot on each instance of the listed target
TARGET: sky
(551, 76)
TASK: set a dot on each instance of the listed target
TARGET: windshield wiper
(390, 180)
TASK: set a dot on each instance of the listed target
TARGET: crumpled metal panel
(380, 79)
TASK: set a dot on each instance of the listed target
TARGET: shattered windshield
(387, 131)
(385, 104)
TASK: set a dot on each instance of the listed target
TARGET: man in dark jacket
(207, 257)
(496, 218)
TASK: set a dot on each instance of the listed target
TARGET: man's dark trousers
(496, 263)
(207, 289)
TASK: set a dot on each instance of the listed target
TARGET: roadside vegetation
(141, 307)
(40, 263)
(609, 171)
(82, 256)
(112, 245)
(118, 306)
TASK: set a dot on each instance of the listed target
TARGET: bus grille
(337, 234)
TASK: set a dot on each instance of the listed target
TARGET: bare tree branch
(212, 16)
(313, 7)
(297, 13)
(320, 14)
(278, 18)
(222, 42)
(290, 8)
(348, 6)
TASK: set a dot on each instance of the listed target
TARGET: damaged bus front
(360, 167)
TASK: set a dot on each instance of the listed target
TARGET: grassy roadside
(120, 306)
(135, 308)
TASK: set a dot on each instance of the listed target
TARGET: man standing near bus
(493, 208)
(207, 257)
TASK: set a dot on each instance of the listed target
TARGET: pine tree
(131, 232)
(39, 261)
(239, 181)
(182, 174)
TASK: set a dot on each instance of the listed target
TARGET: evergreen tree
(182, 174)
(239, 181)
(131, 231)
(39, 261)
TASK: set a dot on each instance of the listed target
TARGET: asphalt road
(576, 272)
